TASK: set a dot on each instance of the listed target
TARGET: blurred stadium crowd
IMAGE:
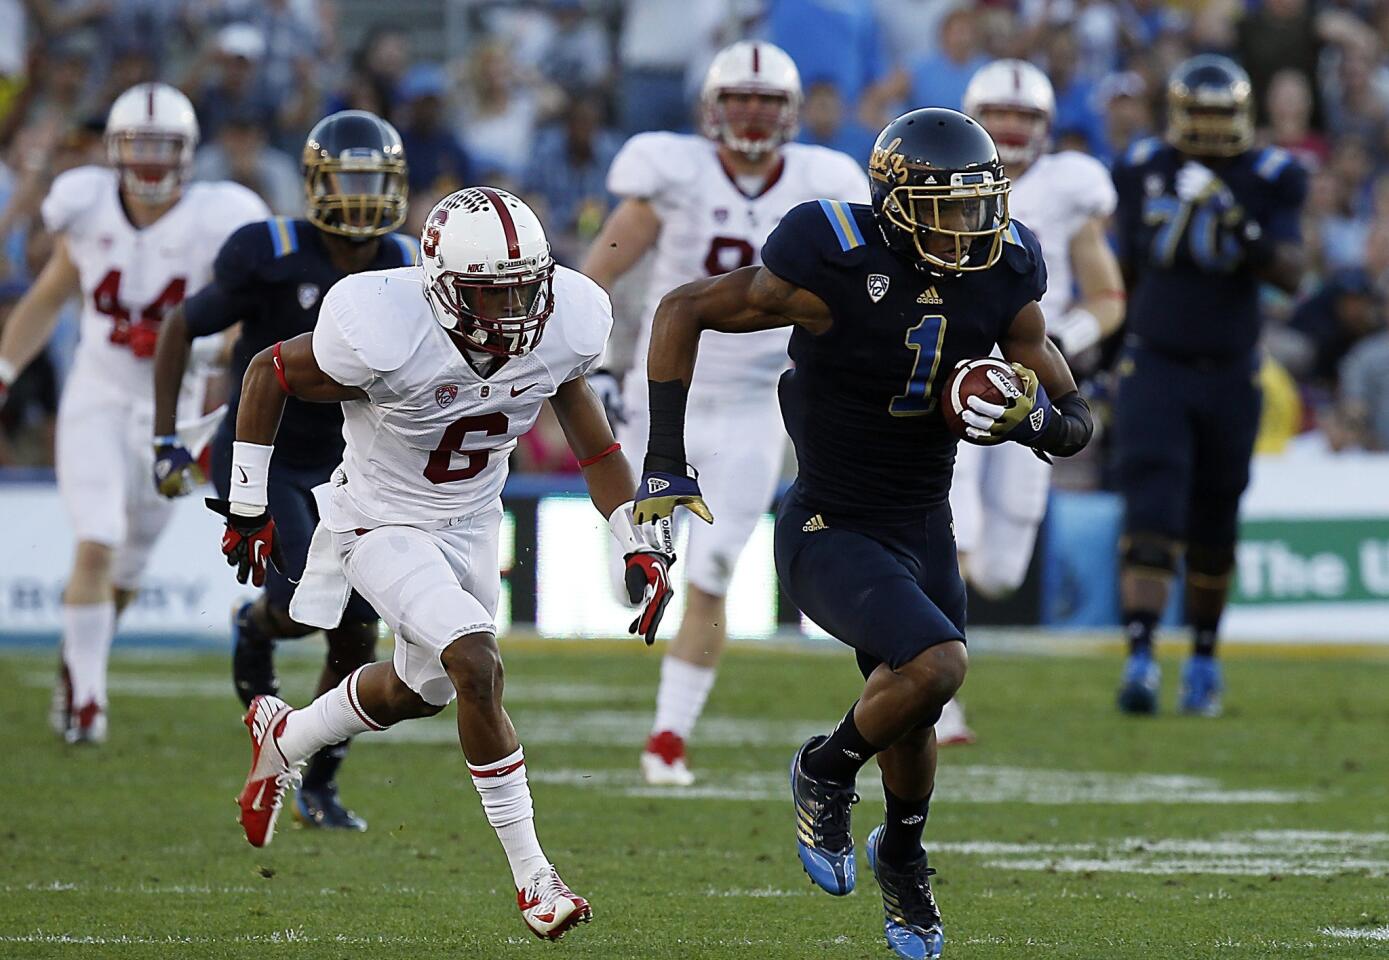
(538, 95)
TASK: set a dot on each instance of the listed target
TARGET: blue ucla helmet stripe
(1271, 163)
(842, 219)
(282, 236)
(408, 248)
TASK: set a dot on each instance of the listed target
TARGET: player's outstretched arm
(32, 321)
(627, 234)
(743, 301)
(1099, 310)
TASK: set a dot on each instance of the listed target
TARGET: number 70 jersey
(711, 225)
(132, 277)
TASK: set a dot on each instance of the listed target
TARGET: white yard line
(1377, 934)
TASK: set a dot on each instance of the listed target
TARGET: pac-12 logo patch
(308, 295)
(445, 394)
(877, 286)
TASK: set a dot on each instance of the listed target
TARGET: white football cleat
(264, 793)
(549, 907)
(86, 724)
(951, 728)
(663, 761)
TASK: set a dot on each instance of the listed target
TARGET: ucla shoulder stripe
(842, 219)
(1012, 236)
(409, 248)
(1271, 162)
(282, 236)
(1143, 150)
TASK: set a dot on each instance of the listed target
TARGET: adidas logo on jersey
(930, 298)
(656, 485)
(814, 525)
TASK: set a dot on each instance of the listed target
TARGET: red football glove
(248, 542)
(648, 579)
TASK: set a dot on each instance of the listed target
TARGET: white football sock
(681, 695)
(88, 630)
(332, 718)
(506, 799)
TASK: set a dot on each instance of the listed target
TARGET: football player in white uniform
(439, 369)
(705, 205)
(133, 240)
(999, 494)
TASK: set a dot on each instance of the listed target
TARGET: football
(991, 379)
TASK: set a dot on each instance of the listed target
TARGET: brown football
(990, 379)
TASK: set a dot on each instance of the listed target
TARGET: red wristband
(280, 370)
(590, 461)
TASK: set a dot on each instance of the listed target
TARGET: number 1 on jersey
(925, 341)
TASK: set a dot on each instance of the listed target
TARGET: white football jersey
(1055, 197)
(709, 225)
(432, 440)
(131, 277)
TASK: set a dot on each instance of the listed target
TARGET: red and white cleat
(86, 724)
(260, 800)
(951, 728)
(549, 907)
(663, 761)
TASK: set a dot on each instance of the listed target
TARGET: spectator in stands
(241, 153)
(499, 114)
(226, 81)
(834, 41)
(438, 165)
(378, 66)
(656, 59)
(578, 54)
(566, 178)
(826, 121)
(1289, 112)
(1328, 324)
(1278, 35)
(1362, 413)
(1127, 111)
(30, 414)
(1354, 96)
(938, 80)
(1077, 117)
(1338, 205)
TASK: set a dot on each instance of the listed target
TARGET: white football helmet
(489, 276)
(751, 67)
(1014, 85)
(151, 133)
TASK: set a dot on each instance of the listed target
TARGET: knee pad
(1210, 566)
(1151, 553)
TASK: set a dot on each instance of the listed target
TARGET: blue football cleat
(320, 807)
(823, 841)
(1202, 685)
(911, 919)
(1138, 690)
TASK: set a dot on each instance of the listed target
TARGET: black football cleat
(911, 919)
(320, 807)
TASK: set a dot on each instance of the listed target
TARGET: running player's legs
(146, 512)
(1014, 493)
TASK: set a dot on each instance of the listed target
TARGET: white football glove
(1195, 182)
(980, 417)
(1075, 331)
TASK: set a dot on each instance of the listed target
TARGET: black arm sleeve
(1070, 430)
(665, 450)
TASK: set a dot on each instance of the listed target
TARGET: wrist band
(250, 474)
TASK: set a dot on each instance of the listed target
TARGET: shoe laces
(546, 887)
(914, 895)
(831, 821)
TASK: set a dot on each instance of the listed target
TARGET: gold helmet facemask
(360, 194)
(957, 225)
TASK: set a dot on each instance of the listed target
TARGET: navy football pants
(888, 591)
(1184, 435)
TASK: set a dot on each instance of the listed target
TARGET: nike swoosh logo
(545, 917)
(517, 393)
(256, 803)
(244, 478)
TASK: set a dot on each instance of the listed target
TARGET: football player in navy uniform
(885, 300)
(1203, 220)
(271, 277)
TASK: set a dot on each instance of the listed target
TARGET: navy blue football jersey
(860, 403)
(1195, 294)
(272, 276)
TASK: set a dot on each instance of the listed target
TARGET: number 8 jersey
(710, 225)
(132, 277)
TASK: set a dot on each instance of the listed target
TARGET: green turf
(134, 849)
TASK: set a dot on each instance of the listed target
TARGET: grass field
(1066, 832)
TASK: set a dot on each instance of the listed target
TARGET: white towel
(195, 434)
(322, 593)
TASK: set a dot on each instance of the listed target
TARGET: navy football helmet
(1210, 107)
(939, 193)
(354, 173)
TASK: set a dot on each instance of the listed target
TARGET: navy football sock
(842, 755)
(1138, 626)
(323, 766)
(1203, 640)
(900, 842)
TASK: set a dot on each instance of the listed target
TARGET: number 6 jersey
(710, 225)
(132, 277)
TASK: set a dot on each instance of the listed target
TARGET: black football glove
(248, 542)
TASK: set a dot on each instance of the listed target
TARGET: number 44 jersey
(431, 441)
(132, 277)
(710, 224)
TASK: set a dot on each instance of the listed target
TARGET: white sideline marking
(614, 728)
(1357, 933)
(287, 936)
(958, 784)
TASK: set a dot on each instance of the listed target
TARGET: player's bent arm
(606, 471)
(628, 233)
(1100, 280)
(743, 301)
(170, 363)
(1069, 429)
(31, 322)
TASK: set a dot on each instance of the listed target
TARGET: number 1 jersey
(132, 277)
(711, 225)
